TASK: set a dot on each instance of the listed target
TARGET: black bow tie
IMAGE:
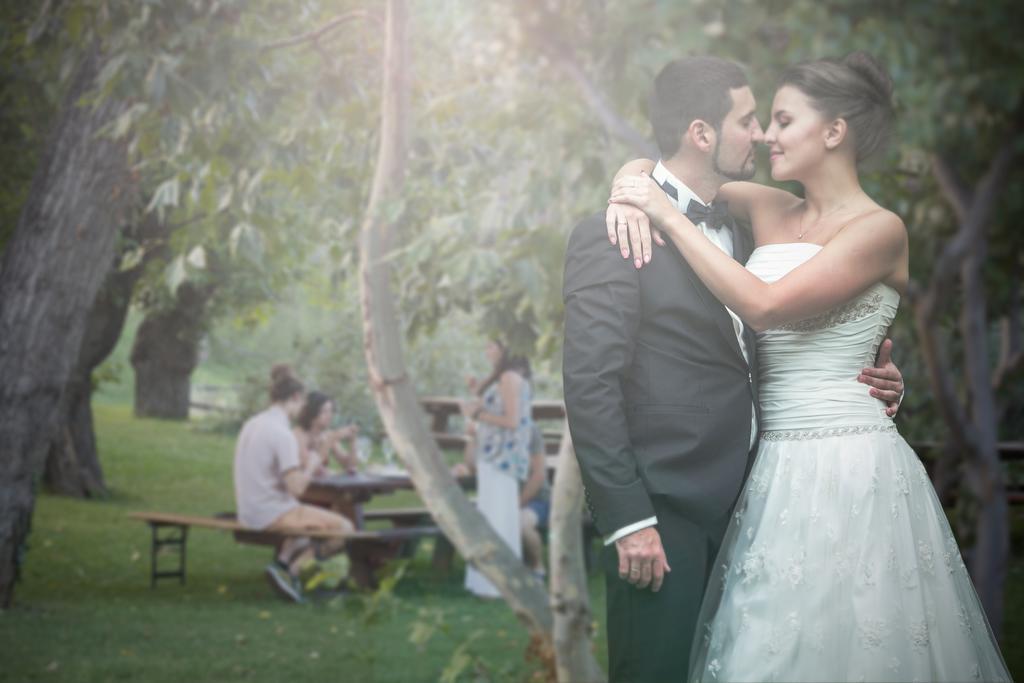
(715, 216)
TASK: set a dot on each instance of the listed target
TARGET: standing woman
(501, 411)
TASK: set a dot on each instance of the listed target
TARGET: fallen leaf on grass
(53, 666)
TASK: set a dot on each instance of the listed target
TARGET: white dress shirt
(723, 239)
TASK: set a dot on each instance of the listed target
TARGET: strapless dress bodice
(809, 368)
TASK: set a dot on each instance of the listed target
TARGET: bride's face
(796, 136)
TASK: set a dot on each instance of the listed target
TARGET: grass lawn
(85, 611)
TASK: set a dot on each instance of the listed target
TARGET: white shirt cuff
(627, 530)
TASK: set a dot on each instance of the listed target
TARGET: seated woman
(320, 444)
(269, 480)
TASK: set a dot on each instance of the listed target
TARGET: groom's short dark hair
(688, 89)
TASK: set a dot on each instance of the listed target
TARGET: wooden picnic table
(347, 493)
(443, 407)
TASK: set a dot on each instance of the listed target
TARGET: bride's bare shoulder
(878, 225)
(755, 196)
(759, 204)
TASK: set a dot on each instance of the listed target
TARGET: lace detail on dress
(804, 434)
(855, 310)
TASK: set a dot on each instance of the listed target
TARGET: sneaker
(283, 583)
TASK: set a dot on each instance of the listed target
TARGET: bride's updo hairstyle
(857, 89)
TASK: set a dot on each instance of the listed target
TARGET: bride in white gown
(839, 564)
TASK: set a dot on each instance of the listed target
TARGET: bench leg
(444, 554)
(176, 538)
(365, 557)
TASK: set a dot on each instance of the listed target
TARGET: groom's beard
(745, 172)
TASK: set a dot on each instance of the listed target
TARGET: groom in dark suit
(661, 380)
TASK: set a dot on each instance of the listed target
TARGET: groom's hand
(885, 379)
(642, 559)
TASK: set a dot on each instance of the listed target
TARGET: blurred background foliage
(255, 153)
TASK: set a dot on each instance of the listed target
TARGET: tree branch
(1011, 354)
(315, 36)
(949, 403)
(973, 213)
(613, 123)
(544, 28)
(952, 186)
(990, 187)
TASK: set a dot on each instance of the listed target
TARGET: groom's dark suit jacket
(657, 391)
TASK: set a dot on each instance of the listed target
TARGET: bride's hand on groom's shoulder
(628, 225)
(642, 560)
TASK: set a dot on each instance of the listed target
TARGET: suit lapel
(742, 244)
(715, 308)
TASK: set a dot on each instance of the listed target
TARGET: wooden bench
(367, 549)
(444, 551)
(404, 518)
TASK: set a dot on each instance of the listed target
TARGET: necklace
(822, 217)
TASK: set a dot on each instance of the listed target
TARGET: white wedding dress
(839, 564)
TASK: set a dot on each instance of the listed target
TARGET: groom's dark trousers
(659, 399)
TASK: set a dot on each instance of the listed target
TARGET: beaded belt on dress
(803, 434)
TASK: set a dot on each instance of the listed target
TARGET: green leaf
(225, 197)
(166, 194)
(421, 634)
(197, 258)
(132, 258)
(176, 274)
(127, 119)
(246, 241)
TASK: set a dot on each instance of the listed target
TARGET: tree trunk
(51, 270)
(973, 421)
(393, 391)
(570, 599)
(165, 354)
(73, 465)
(992, 529)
